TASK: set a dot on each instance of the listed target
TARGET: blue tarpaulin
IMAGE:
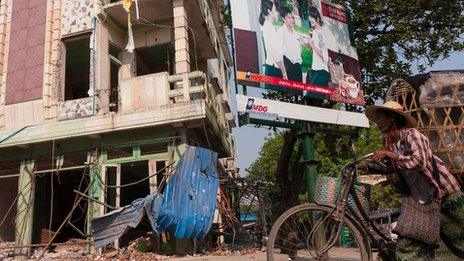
(189, 200)
(186, 209)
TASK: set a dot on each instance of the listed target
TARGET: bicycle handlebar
(365, 157)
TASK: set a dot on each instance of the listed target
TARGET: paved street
(337, 254)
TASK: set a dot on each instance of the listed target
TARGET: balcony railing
(157, 90)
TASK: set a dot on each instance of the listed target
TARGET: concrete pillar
(102, 69)
(52, 82)
(94, 209)
(181, 41)
(25, 208)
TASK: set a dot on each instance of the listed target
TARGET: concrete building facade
(79, 112)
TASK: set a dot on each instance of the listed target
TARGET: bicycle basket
(328, 190)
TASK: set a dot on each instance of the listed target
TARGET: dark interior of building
(77, 68)
(132, 172)
(7, 198)
(63, 197)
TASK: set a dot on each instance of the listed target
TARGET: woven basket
(328, 190)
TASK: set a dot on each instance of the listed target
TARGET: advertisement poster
(299, 46)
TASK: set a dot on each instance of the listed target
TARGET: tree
(392, 35)
(333, 153)
(280, 167)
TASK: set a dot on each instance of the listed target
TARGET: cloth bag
(420, 221)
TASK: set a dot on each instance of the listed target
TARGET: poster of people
(300, 46)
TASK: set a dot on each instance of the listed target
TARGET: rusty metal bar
(94, 200)
(77, 230)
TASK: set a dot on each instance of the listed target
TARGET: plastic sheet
(190, 196)
(442, 89)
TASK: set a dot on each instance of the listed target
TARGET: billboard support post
(309, 160)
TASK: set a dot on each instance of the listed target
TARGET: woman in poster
(272, 40)
(319, 74)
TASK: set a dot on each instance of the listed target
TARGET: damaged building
(83, 112)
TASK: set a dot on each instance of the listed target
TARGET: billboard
(264, 107)
(299, 46)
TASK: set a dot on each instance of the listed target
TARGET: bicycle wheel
(305, 231)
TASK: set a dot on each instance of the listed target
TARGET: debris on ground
(6, 254)
(141, 248)
(234, 250)
(73, 249)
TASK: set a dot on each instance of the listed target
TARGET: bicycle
(312, 231)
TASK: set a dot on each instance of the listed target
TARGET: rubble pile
(6, 254)
(140, 249)
(73, 249)
(235, 250)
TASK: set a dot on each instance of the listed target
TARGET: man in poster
(291, 42)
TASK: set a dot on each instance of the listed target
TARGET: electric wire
(135, 182)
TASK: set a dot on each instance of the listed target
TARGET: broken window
(154, 59)
(77, 70)
(114, 153)
(115, 64)
(153, 148)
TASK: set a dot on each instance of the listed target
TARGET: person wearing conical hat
(408, 152)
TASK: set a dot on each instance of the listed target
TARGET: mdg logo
(252, 107)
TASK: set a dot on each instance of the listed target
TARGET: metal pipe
(60, 169)
(9, 176)
(94, 200)
(14, 133)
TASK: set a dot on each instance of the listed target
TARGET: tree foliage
(391, 36)
(333, 153)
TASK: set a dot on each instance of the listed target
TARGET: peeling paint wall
(76, 108)
(76, 16)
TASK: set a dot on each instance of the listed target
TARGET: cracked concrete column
(181, 41)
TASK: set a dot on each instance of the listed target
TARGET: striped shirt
(414, 153)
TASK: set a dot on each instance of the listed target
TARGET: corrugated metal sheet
(113, 225)
(190, 197)
(187, 208)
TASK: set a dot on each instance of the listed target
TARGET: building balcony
(151, 100)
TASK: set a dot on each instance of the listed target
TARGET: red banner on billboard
(300, 86)
(334, 12)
